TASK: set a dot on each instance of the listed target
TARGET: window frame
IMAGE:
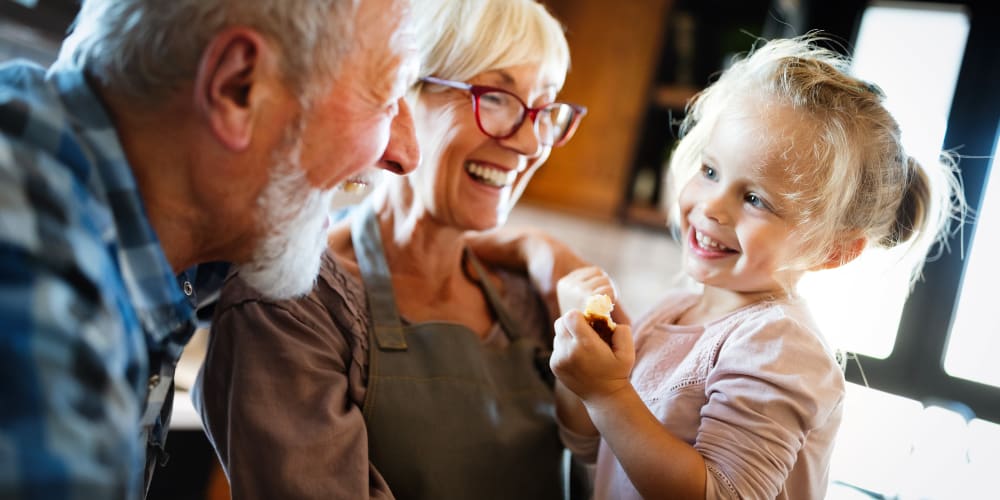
(915, 367)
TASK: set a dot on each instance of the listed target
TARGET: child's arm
(572, 292)
(572, 413)
(656, 462)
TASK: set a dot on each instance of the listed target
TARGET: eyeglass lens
(501, 113)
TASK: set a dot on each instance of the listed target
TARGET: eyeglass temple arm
(447, 83)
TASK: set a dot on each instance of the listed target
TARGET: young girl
(787, 165)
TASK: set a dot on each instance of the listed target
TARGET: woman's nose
(525, 141)
(402, 154)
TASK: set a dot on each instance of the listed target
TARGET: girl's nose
(715, 206)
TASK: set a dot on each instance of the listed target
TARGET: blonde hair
(147, 48)
(858, 181)
(459, 39)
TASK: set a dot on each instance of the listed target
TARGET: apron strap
(376, 277)
(510, 327)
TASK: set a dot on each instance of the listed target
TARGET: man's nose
(402, 154)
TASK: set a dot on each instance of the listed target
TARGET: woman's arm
(545, 258)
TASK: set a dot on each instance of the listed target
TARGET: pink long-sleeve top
(758, 393)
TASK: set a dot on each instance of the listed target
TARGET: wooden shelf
(673, 96)
(612, 74)
(648, 216)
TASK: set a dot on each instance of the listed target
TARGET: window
(893, 50)
(975, 335)
(928, 425)
(930, 361)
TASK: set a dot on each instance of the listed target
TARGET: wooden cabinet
(614, 48)
(635, 64)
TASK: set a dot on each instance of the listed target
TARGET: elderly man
(168, 134)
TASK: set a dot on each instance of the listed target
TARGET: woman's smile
(490, 175)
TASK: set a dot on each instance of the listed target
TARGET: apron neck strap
(375, 275)
(510, 327)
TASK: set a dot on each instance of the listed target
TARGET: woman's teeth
(495, 177)
(708, 243)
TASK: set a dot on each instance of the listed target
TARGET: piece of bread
(598, 313)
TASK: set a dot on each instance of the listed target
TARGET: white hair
(145, 48)
(459, 39)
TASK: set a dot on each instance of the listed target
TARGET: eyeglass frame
(529, 113)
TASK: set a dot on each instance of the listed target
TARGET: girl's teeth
(708, 243)
(492, 176)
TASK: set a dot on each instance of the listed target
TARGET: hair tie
(874, 89)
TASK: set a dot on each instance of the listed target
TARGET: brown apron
(448, 418)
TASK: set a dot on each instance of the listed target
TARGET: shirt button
(154, 381)
(188, 289)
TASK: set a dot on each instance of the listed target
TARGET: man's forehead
(404, 43)
(384, 59)
(404, 53)
(379, 19)
(393, 28)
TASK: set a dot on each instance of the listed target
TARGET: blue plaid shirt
(92, 318)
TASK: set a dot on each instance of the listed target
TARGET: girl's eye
(756, 201)
(709, 172)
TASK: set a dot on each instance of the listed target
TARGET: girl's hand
(585, 364)
(574, 288)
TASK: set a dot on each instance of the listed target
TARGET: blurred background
(924, 400)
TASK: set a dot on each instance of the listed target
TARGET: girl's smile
(706, 247)
(738, 236)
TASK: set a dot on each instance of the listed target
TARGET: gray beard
(287, 258)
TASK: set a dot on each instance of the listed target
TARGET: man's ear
(231, 70)
(843, 253)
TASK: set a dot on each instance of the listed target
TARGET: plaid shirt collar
(163, 310)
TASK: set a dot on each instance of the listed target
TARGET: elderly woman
(412, 370)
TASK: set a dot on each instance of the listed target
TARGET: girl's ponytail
(914, 208)
(931, 207)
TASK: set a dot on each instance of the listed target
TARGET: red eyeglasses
(500, 113)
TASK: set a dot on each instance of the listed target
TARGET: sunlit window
(888, 444)
(983, 457)
(875, 440)
(896, 447)
(913, 52)
(975, 334)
